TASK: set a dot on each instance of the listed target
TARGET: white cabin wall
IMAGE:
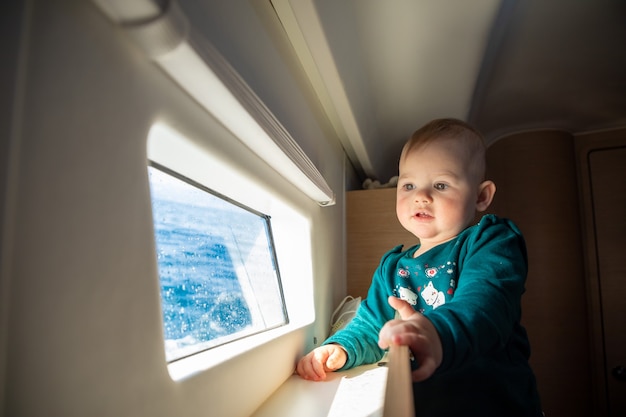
(82, 329)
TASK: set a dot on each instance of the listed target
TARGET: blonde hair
(448, 128)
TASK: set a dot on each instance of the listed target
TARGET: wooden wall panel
(535, 175)
(372, 229)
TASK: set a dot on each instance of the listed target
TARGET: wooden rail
(399, 390)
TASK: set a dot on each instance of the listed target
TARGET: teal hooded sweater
(470, 288)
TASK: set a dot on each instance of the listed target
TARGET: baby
(464, 286)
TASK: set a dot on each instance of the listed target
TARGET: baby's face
(437, 191)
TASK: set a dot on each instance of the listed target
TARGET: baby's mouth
(422, 215)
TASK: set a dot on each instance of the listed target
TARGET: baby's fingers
(311, 368)
(426, 368)
(336, 359)
(317, 363)
(402, 307)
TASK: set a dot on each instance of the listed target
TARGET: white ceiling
(383, 68)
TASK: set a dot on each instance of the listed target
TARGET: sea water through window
(218, 271)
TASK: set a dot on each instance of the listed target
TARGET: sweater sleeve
(360, 337)
(486, 308)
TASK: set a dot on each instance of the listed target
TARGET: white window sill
(358, 392)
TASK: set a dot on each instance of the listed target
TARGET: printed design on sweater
(403, 289)
(426, 285)
(407, 295)
(432, 296)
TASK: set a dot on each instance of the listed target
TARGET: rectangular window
(217, 266)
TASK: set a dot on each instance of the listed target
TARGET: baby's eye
(408, 187)
(440, 186)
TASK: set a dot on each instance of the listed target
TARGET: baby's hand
(418, 333)
(320, 360)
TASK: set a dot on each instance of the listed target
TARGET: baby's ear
(486, 191)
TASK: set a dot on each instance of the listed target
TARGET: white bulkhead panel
(81, 319)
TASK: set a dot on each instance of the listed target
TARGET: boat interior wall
(568, 317)
(9, 76)
(82, 328)
(601, 160)
(554, 305)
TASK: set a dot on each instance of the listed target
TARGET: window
(217, 266)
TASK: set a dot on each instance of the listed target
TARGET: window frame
(271, 249)
(203, 160)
